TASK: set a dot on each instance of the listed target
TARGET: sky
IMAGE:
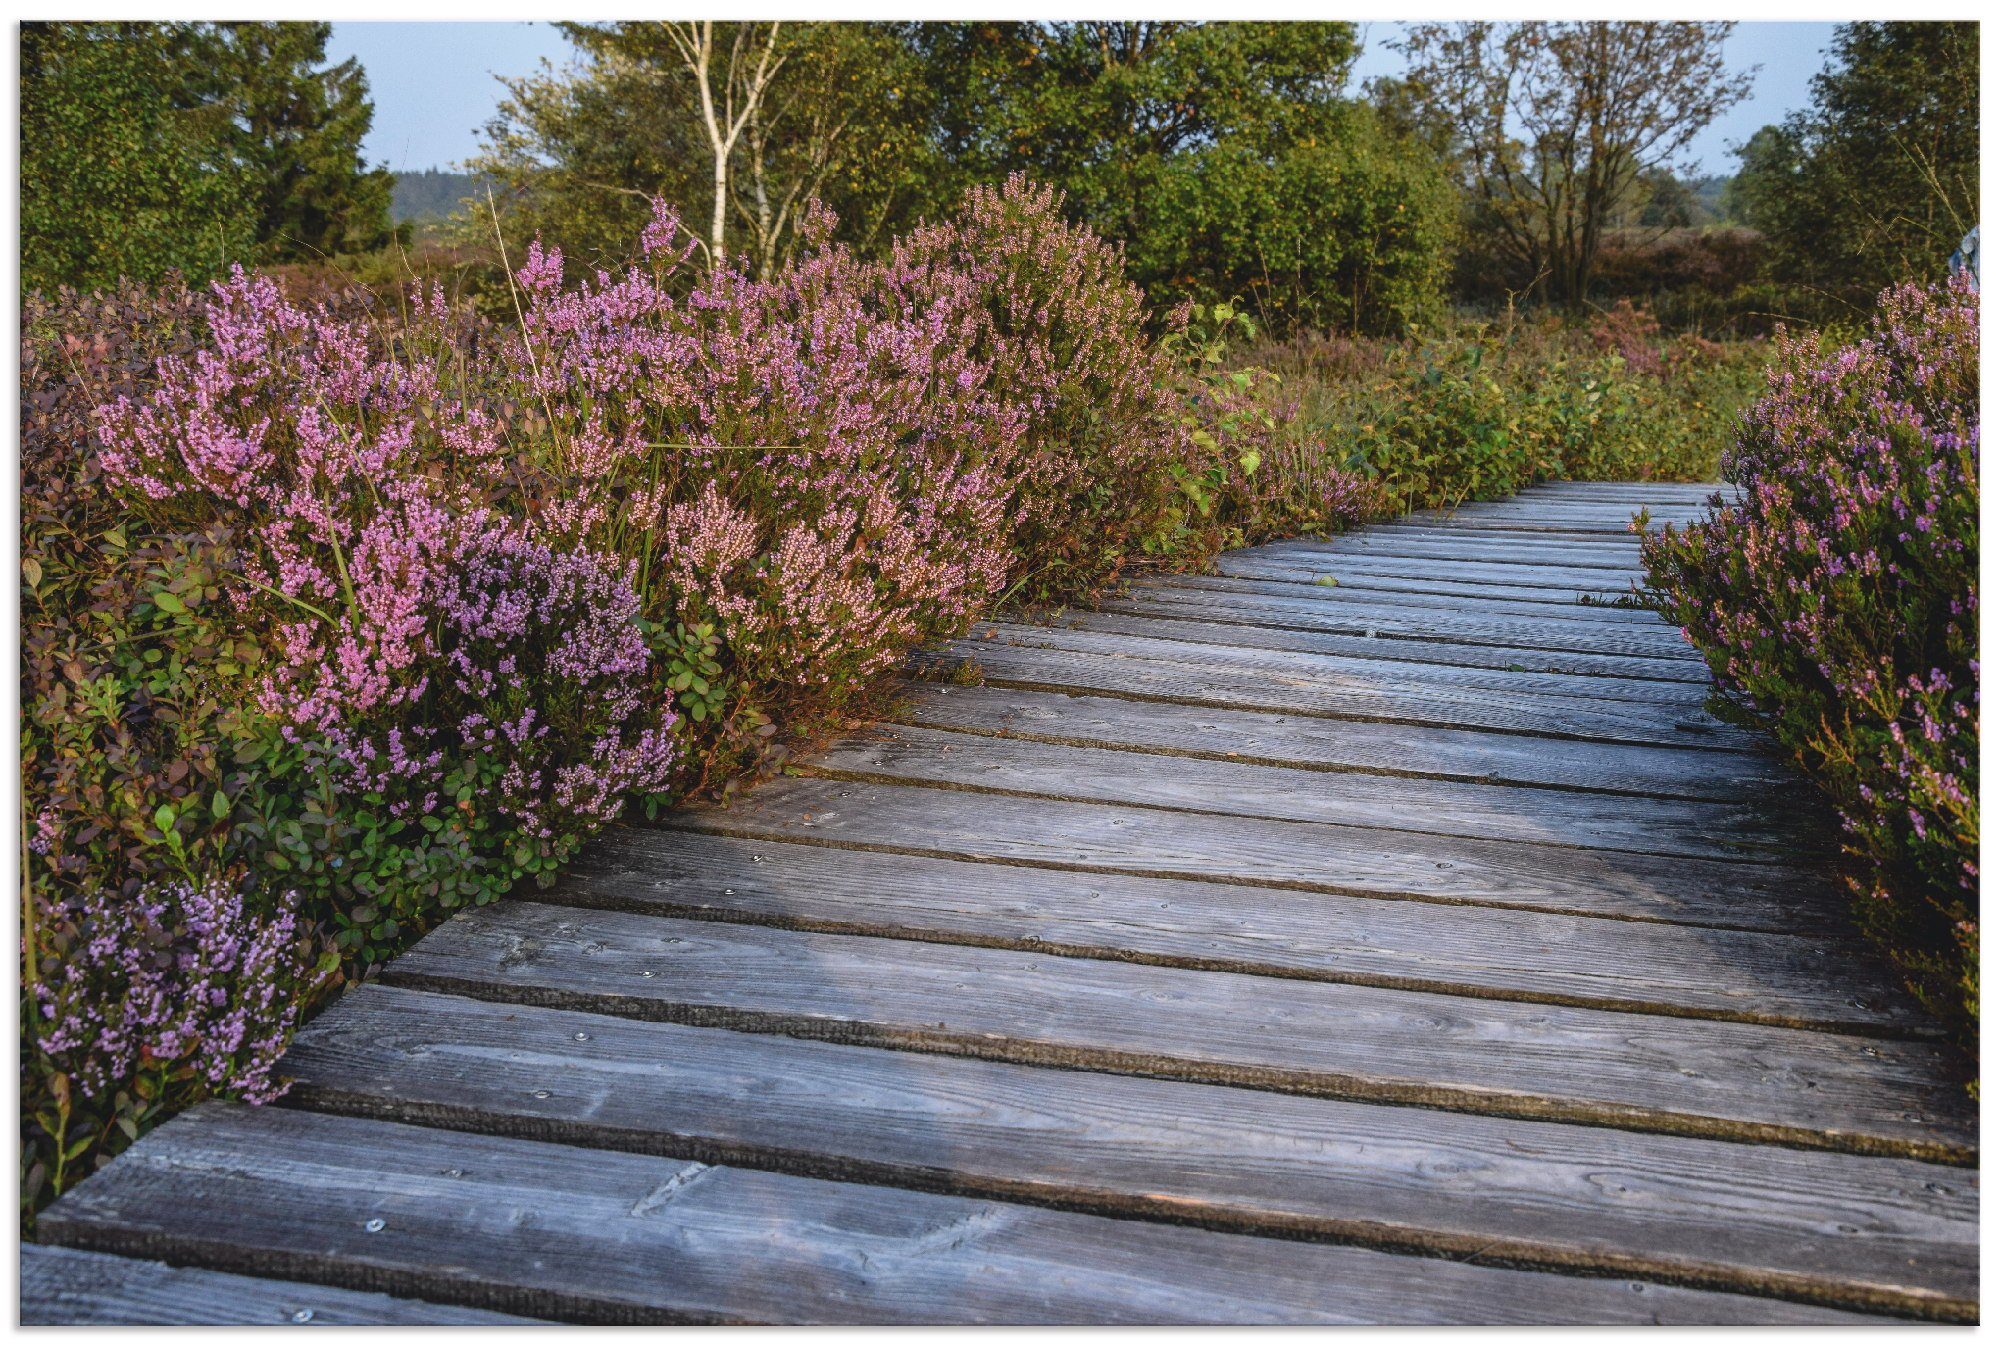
(435, 85)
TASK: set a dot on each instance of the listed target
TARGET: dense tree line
(152, 147)
(1877, 180)
(1536, 162)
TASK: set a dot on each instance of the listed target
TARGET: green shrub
(1351, 232)
(1477, 411)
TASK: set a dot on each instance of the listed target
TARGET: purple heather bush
(1841, 597)
(169, 991)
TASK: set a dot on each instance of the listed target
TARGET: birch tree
(731, 98)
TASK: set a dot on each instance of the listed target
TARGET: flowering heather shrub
(169, 984)
(1095, 438)
(140, 763)
(1841, 595)
(479, 697)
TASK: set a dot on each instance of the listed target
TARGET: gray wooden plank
(1562, 553)
(1357, 745)
(1611, 671)
(1549, 503)
(1636, 492)
(603, 1236)
(1378, 668)
(1613, 514)
(1571, 579)
(1313, 612)
(66, 1287)
(1539, 608)
(1731, 1217)
(1235, 565)
(1819, 980)
(1042, 663)
(1644, 1072)
(1716, 831)
(1500, 528)
(1310, 857)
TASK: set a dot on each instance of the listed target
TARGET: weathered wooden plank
(1734, 1217)
(1627, 493)
(1606, 629)
(1718, 1079)
(1502, 528)
(1204, 682)
(1561, 553)
(1228, 566)
(1607, 514)
(1381, 668)
(916, 755)
(1621, 677)
(1536, 609)
(1359, 617)
(1571, 580)
(1820, 980)
(66, 1287)
(1315, 857)
(1360, 745)
(1539, 501)
(603, 1236)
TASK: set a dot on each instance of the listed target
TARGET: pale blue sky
(435, 85)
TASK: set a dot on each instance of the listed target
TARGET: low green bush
(1477, 411)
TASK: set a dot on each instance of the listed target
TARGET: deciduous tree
(1878, 180)
(1555, 121)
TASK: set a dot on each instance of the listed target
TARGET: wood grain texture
(1042, 662)
(1718, 1079)
(1730, 1217)
(1310, 612)
(916, 755)
(1444, 546)
(1619, 677)
(1308, 857)
(1227, 567)
(1357, 745)
(1538, 605)
(1796, 980)
(1213, 645)
(66, 1287)
(1568, 580)
(602, 1236)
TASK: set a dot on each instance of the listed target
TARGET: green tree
(299, 124)
(1878, 179)
(183, 146)
(128, 164)
(1351, 229)
(792, 113)
(1555, 122)
(1101, 109)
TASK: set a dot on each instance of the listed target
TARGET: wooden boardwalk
(1378, 930)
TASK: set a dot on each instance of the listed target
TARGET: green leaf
(167, 602)
(163, 817)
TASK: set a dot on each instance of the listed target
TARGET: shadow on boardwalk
(1413, 947)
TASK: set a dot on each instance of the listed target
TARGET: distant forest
(431, 194)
